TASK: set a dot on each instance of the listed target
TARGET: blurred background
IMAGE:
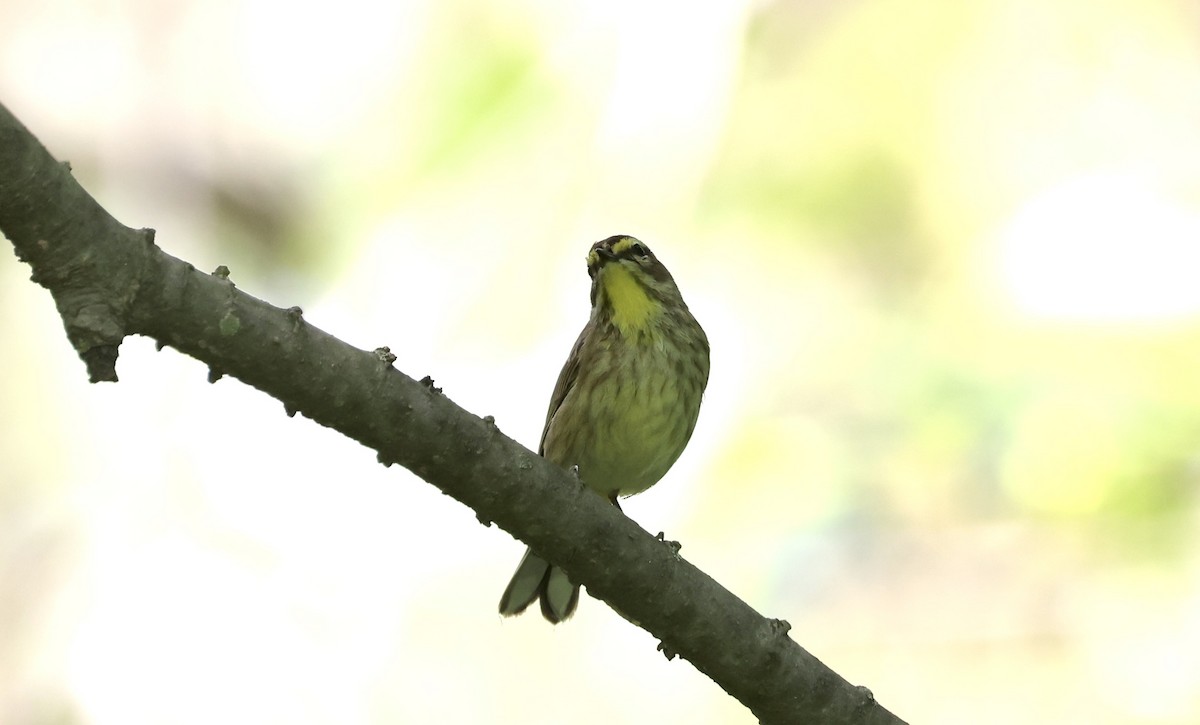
(946, 254)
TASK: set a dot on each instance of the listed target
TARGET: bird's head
(629, 284)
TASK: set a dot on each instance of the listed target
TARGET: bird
(626, 401)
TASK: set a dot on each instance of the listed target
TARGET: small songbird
(625, 403)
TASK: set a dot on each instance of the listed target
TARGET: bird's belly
(632, 433)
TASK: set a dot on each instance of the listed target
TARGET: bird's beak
(598, 257)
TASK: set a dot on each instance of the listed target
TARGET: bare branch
(110, 281)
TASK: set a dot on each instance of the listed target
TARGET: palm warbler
(625, 403)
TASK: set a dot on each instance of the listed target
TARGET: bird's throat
(632, 307)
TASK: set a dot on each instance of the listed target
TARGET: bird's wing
(566, 381)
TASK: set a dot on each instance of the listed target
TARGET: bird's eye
(639, 250)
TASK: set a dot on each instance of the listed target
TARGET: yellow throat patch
(632, 307)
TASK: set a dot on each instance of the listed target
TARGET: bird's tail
(537, 578)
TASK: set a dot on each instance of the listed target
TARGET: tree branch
(109, 281)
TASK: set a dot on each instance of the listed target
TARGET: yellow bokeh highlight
(1066, 456)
